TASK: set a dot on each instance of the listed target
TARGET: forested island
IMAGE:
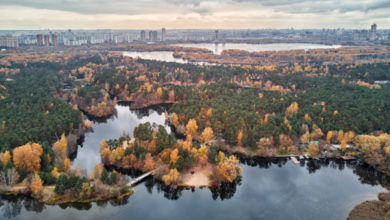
(301, 107)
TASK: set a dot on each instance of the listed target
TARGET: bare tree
(9, 177)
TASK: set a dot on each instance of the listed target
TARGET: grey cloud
(321, 6)
(202, 7)
(113, 6)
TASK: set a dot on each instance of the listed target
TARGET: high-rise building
(152, 36)
(54, 40)
(143, 36)
(373, 28)
(373, 35)
(216, 35)
(39, 39)
(46, 39)
(9, 41)
(163, 34)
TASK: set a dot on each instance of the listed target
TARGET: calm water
(155, 55)
(269, 189)
(123, 121)
(218, 48)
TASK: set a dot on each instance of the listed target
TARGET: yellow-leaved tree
(239, 137)
(228, 169)
(262, 145)
(60, 149)
(28, 157)
(313, 149)
(292, 109)
(206, 135)
(174, 156)
(36, 184)
(67, 164)
(174, 119)
(54, 172)
(191, 128)
(5, 157)
(171, 177)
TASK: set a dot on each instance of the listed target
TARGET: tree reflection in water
(11, 206)
(225, 190)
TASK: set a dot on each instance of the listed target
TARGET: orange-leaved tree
(28, 157)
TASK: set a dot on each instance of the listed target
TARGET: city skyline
(192, 14)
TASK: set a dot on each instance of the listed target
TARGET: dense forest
(325, 102)
(30, 112)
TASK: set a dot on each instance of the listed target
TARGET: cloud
(194, 13)
(322, 6)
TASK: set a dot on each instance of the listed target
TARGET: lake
(218, 48)
(268, 189)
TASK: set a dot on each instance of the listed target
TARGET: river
(217, 48)
(268, 189)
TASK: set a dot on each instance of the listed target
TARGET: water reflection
(366, 173)
(12, 206)
(123, 121)
(225, 190)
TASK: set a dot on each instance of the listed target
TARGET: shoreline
(55, 199)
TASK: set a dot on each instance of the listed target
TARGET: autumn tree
(285, 140)
(305, 138)
(292, 109)
(307, 117)
(36, 184)
(28, 157)
(67, 164)
(313, 149)
(60, 149)
(329, 137)
(209, 112)
(54, 172)
(149, 162)
(202, 151)
(191, 128)
(206, 135)
(316, 133)
(5, 157)
(239, 137)
(262, 146)
(187, 144)
(105, 152)
(228, 169)
(171, 177)
(367, 144)
(174, 119)
(117, 154)
(348, 137)
(221, 157)
(174, 156)
(97, 170)
(86, 190)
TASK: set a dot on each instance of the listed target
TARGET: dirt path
(200, 177)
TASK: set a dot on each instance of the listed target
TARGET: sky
(193, 14)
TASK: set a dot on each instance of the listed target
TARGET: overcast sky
(206, 14)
